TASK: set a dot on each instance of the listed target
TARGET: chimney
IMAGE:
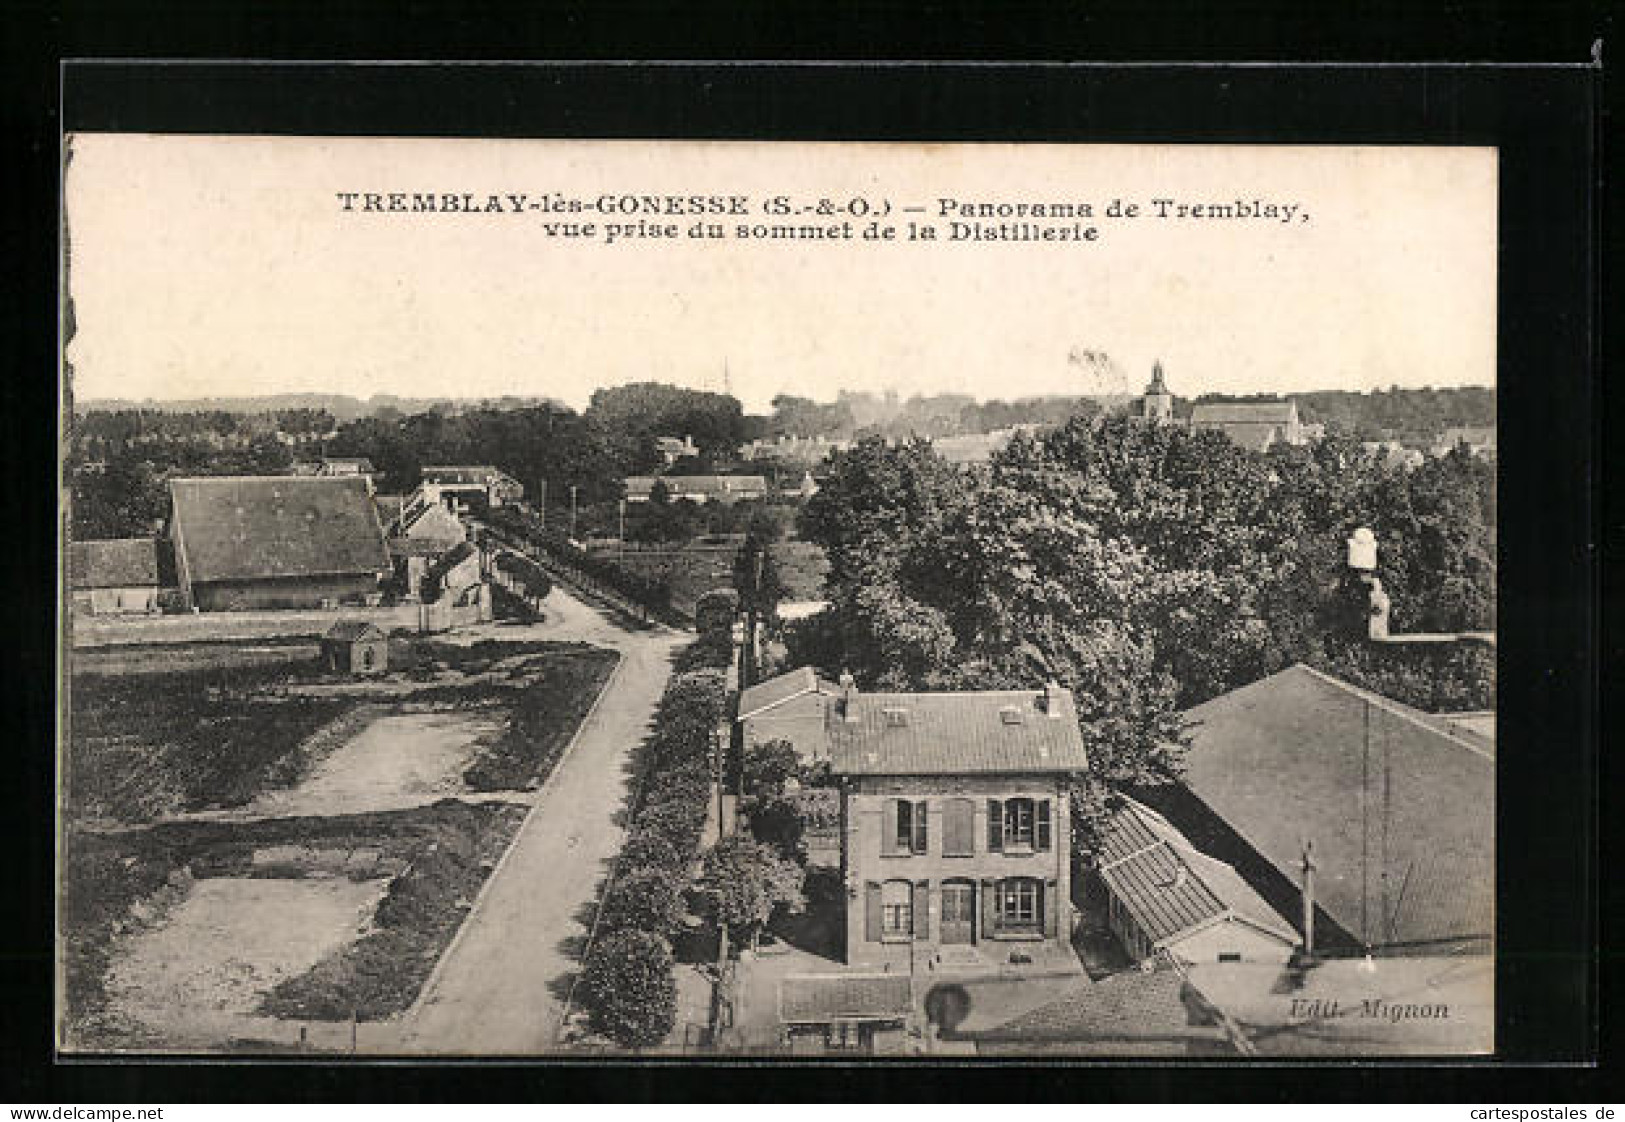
(849, 695)
(1052, 699)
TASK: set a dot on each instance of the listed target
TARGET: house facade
(697, 488)
(479, 482)
(956, 826)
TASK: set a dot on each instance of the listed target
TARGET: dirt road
(499, 990)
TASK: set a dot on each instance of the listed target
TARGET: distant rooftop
(1002, 731)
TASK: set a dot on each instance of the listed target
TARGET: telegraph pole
(621, 539)
(572, 512)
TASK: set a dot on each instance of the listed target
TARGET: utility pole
(543, 507)
(1308, 867)
(621, 538)
(572, 512)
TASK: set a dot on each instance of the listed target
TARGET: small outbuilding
(355, 647)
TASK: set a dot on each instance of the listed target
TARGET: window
(905, 827)
(1019, 904)
(897, 909)
(1229, 956)
(1018, 822)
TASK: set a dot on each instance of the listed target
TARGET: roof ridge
(1397, 708)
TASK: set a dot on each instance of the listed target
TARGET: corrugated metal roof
(953, 733)
(1171, 888)
(258, 527)
(822, 998)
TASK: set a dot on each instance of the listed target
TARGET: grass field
(699, 566)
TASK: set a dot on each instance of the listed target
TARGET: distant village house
(121, 576)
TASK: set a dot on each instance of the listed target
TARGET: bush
(630, 989)
(642, 900)
(715, 611)
(647, 849)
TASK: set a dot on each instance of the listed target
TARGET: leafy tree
(744, 882)
(767, 767)
(630, 988)
(715, 611)
(643, 900)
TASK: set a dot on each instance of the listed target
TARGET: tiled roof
(1132, 1013)
(1380, 789)
(777, 690)
(1244, 412)
(1168, 887)
(953, 733)
(353, 630)
(258, 527)
(476, 473)
(822, 998)
(449, 560)
(121, 563)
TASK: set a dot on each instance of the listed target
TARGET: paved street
(500, 987)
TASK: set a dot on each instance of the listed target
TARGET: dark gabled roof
(1379, 788)
(260, 527)
(121, 563)
(778, 690)
(816, 999)
(1170, 888)
(354, 630)
(1244, 413)
(1004, 731)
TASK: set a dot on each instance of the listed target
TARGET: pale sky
(227, 266)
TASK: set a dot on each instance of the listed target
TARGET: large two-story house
(955, 824)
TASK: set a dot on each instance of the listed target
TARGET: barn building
(269, 542)
(120, 576)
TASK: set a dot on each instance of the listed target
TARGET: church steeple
(1158, 404)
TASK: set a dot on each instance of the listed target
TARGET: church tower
(1157, 405)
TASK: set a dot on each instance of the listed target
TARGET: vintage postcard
(770, 599)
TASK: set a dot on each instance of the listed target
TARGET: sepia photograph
(753, 600)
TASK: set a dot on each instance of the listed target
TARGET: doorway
(958, 912)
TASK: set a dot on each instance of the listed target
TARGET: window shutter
(1050, 906)
(959, 828)
(990, 908)
(889, 826)
(919, 827)
(871, 912)
(995, 826)
(1041, 824)
(922, 909)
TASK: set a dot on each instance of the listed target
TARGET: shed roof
(824, 998)
(354, 630)
(777, 690)
(1169, 887)
(1000, 731)
(257, 527)
(1389, 795)
(121, 563)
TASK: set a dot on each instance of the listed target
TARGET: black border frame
(1545, 121)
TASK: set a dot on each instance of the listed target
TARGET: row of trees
(1148, 568)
